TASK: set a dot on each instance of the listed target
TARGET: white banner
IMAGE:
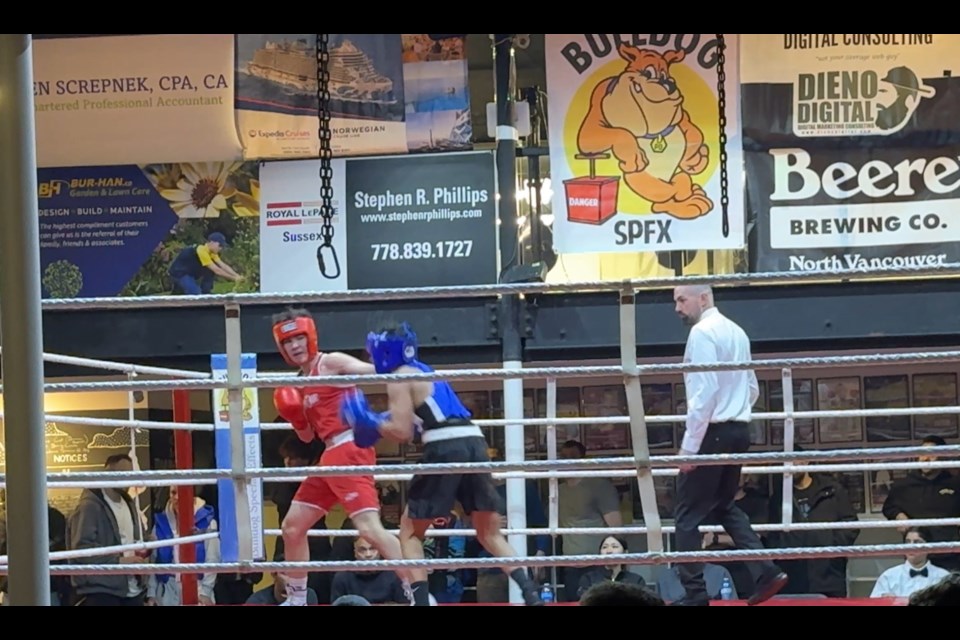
(141, 99)
(634, 143)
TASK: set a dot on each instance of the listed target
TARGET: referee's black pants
(707, 495)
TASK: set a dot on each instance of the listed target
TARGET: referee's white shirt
(716, 396)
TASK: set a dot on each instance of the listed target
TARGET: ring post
(237, 442)
(553, 504)
(638, 422)
(183, 456)
(788, 440)
(22, 329)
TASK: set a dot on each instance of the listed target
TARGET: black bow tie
(922, 572)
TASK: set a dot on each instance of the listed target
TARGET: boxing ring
(239, 472)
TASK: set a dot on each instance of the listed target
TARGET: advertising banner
(390, 93)
(409, 221)
(115, 230)
(634, 143)
(236, 532)
(113, 100)
(854, 145)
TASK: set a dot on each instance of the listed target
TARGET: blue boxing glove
(356, 412)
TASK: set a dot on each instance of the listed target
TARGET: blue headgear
(389, 351)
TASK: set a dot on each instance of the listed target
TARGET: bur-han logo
(857, 102)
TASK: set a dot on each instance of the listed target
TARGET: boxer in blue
(432, 410)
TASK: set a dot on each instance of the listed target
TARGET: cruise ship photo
(278, 73)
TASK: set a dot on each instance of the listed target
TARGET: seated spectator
(276, 594)
(378, 587)
(817, 497)
(619, 594)
(928, 493)
(945, 593)
(611, 545)
(915, 574)
(165, 589)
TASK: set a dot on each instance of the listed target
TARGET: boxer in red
(314, 413)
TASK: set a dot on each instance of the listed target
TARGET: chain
(722, 101)
(326, 157)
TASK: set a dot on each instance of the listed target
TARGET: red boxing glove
(289, 404)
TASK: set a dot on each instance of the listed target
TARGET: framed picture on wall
(658, 401)
(935, 390)
(887, 392)
(608, 400)
(568, 406)
(803, 429)
(839, 394)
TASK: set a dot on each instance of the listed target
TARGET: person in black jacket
(378, 587)
(612, 572)
(59, 585)
(928, 493)
(817, 497)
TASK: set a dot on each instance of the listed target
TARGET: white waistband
(449, 433)
(339, 439)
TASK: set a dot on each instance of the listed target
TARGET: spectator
(915, 574)
(59, 585)
(378, 587)
(817, 497)
(619, 594)
(276, 594)
(106, 518)
(928, 493)
(584, 502)
(165, 589)
(611, 545)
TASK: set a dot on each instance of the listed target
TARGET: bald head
(691, 301)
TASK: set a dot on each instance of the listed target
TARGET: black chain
(326, 157)
(722, 101)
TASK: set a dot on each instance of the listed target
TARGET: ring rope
(491, 290)
(462, 375)
(618, 531)
(532, 422)
(127, 424)
(789, 553)
(146, 479)
(75, 554)
(545, 465)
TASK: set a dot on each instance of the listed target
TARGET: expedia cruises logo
(857, 102)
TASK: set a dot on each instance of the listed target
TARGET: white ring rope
(462, 375)
(492, 290)
(536, 422)
(631, 530)
(547, 466)
(789, 553)
(75, 554)
(298, 474)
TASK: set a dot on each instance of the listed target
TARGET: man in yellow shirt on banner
(193, 270)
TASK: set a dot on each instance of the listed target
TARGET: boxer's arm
(347, 365)
(400, 425)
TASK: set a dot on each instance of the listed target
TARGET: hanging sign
(634, 131)
(398, 222)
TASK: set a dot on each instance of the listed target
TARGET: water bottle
(726, 589)
(546, 594)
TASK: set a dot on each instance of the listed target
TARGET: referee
(718, 418)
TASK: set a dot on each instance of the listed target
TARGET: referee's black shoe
(769, 586)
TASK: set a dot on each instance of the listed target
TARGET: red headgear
(296, 327)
